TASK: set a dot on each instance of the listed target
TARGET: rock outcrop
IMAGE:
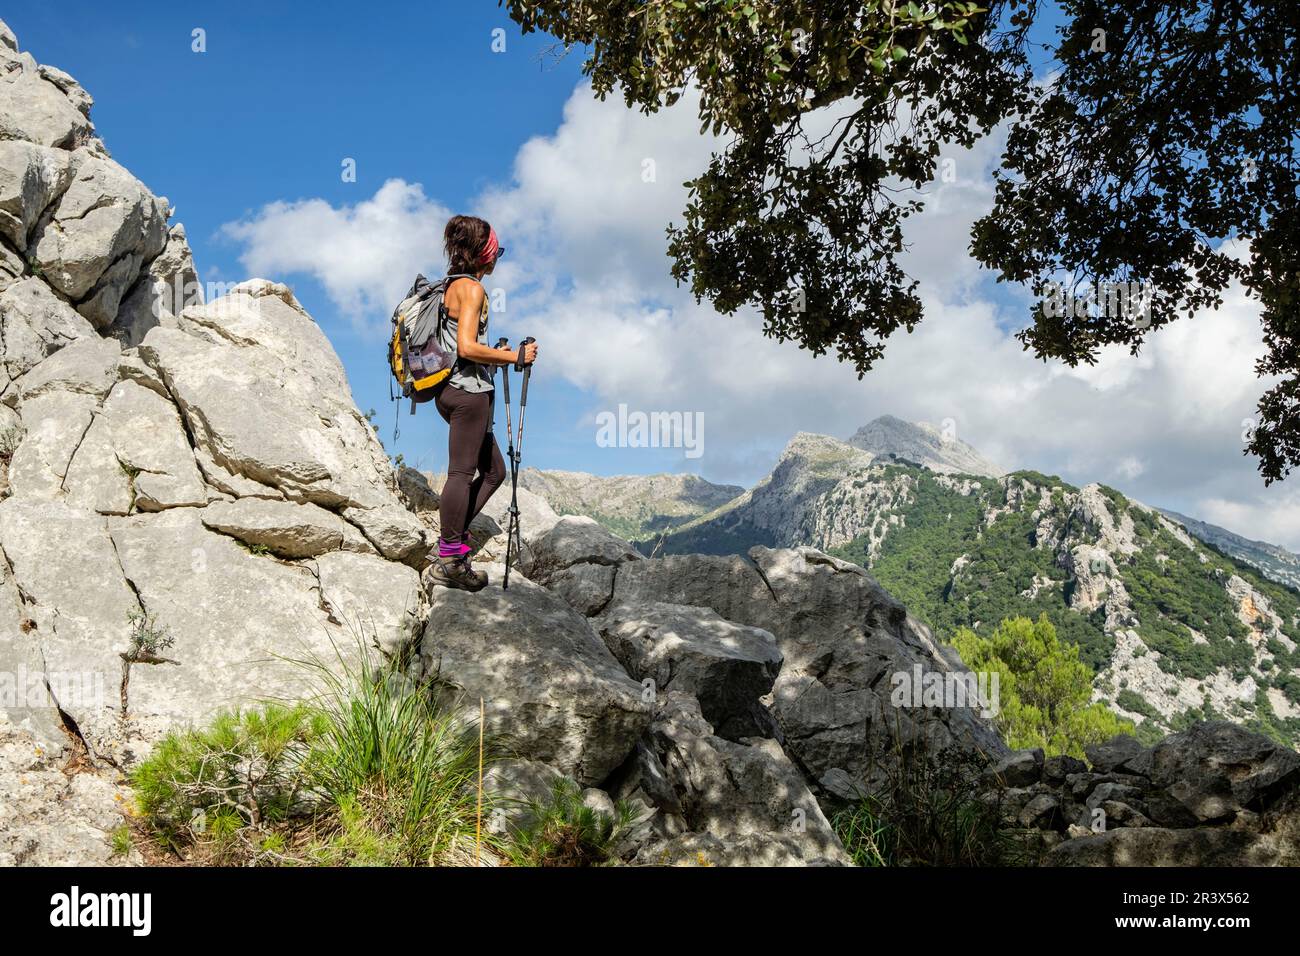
(190, 494)
(1213, 795)
(940, 450)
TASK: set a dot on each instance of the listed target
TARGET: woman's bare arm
(466, 299)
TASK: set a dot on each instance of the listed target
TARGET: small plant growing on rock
(148, 639)
(204, 787)
(120, 842)
(565, 831)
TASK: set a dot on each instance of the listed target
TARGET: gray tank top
(466, 375)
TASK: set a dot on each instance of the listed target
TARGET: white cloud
(588, 268)
(364, 255)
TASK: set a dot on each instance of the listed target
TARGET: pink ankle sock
(452, 549)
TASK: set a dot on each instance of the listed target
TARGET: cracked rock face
(189, 494)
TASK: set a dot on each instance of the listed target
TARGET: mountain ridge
(1175, 627)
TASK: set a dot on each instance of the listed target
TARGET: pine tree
(1043, 687)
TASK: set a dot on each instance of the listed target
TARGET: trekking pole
(514, 536)
(510, 456)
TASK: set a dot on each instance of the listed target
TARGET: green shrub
(564, 831)
(243, 770)
(399, 767)
(372, 770)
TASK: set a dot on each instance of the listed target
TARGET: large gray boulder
(552, 690)
(577, 539)
(264, 394)
(1216, 770)
(727, 667)
(35, 109)
(93, 244)
(238, 620)
(375, 601)
(846, 644)
(737, 791)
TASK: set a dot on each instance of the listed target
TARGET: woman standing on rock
(475, 468)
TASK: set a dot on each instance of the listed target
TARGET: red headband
(489, 248)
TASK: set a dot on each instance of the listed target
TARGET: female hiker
(475, 468)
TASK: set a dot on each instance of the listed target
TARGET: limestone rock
(234, 617)
(1218, 769)
(35, 323)
(511, 787)
(1022, 768)
(576, 539)
(161, 293)
(1157, 846)
(552, 689)
(105, 226)
(31, 177)
(922, 443)
(727, 667)
(264, 395)
(87, 366)
(738, 790)
(285, 528)
(34, 109)
(65, 563)
(844, 640)
(395, 533)
(53, 426)
(374, 601)
(148, 447)
(52, 818)
(1113, 754)
(587, 587)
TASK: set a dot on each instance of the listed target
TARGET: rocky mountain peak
(923, 444)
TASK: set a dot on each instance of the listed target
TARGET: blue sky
(247, 140)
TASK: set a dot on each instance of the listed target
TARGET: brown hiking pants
(475, 468)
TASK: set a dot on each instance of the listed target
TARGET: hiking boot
(456, 573)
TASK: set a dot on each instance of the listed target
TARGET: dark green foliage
(1177, 593)
(1178, 119)
(1135, 703)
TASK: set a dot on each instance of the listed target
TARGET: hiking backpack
(416, 355)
